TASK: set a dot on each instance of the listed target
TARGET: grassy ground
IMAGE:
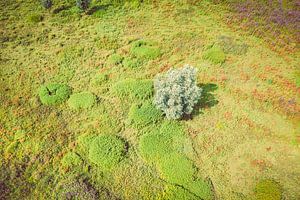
(245, 130)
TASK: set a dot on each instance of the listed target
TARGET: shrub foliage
(46, 3)
(83, 100)
(176, 92)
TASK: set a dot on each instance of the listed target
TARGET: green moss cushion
(83, 100)
(215, 54)
(145, 50)
(71, 159)
(142, 115)
(136, 89)
(54, 93)
(268, 190)
(107, 151)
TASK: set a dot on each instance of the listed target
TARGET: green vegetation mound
(268, 190)
(145, 50)
(54, 93)
(131, 63)
(142, 115)
(35, 18)
(115, 59)
(173, 192)
(139, 89)
(107, 151)
(83, 100)
(215, 54)
(71, 159)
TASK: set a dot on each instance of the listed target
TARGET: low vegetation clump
(71, 159)
(174, 192)
(230, 45)
(176, 92)
(215, 54)
(144, 114)
(83, 100)
(107, 151)
(145, 50)
(131, 63)
(99, 79)
(54, 93)
(46, 3)
(132, 88)
(268, 189)
(35, 18)
(115, 59)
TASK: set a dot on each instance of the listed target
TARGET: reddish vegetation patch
(260, 164)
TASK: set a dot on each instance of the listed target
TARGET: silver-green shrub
(176, 92)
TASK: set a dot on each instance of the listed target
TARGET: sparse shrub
(46, 3)
(83, 100)
(214, 54)
(176, 92)
(71, 159)
(138, 89)
(142, 115)
(83, 4)
(268, 189)
(115, 59)
(54, 93)
(107, 151)
(35, 18)
(145, 50)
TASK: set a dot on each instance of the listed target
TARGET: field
(103, 139)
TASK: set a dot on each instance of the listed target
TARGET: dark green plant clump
(107, 151)
(83, 4)
(142, 115)
(46, 3)
(145, 50)
(54, 93)
(139, 89)
(83, 100)
(214, 54)
(35, 18)
(268, 190)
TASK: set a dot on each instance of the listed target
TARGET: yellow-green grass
(249, 134)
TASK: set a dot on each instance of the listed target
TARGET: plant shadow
(94, 9)
(207, 100)
(61, 8)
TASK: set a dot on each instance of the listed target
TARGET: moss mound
(138, 89)
(35, 18)
(145, 50)
(131, 63)
(54, 93)
(115, 59)
(142, 115)
(99, 79)
(268, 190)
(177, 169)
(215, 54)
(107, 151)
(173, 192)
(71, 159)
(83, 100)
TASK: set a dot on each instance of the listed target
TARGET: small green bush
(176, 168)
(107, 151)
(83, 4)
(268, 189)
(46, 3)
(145, 50)
(115, 59)
(35, 18)
(54, 93)
(71, 159)
(214, 54)
(83, 100)
(99, 79)
(176, 92)
(138, 89)
(142, 115)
